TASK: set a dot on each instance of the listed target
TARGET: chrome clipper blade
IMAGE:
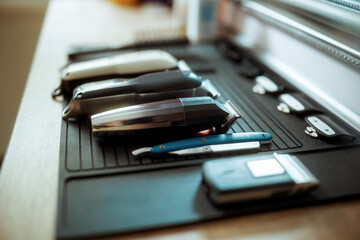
(234, 114)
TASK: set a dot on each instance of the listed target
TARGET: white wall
(20, 24)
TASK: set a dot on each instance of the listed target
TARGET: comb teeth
(166, 34)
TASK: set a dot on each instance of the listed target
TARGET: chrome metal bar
(315, 38)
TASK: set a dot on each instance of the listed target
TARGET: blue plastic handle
(210, 140)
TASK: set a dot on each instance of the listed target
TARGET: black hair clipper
(121, 65)
(181, 115)
(92, 98)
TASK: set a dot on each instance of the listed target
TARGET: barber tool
(248, 142)
(92, 98)
(256, 177)
(121, 65)
(321, 126)
(295, 103)
(266, 85)
(185, 115)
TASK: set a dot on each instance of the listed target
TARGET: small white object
(267, 167)
(267, 84)
(282, 107)
(292, 102)
(182, 65)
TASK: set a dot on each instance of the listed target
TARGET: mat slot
(86, 159)
(244, 125)
(237, 128)
(73, 146)
(146, 160)
(132, 159)
(157, 160)
(231, 130)
(169, 159)
(110, 158)
(121, 156)
(97, 153)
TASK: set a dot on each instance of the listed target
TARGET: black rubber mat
(101, 183)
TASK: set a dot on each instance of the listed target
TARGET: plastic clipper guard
(321, 126)
(296, 103)
(266, 84)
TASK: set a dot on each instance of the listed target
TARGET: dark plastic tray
(103, 190)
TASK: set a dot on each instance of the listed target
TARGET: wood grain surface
(29, 175)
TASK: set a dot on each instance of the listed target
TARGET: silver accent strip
(211, 88)
(182, 65)
(303, 178)
(246, 147)
(234, 114)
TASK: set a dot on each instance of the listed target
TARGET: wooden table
(29, 175)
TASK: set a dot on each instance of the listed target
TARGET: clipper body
(122, 65)
(92, 98)
(185, 115)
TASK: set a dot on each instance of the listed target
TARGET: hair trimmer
(181, 115)
(121, 65)
(92, 98)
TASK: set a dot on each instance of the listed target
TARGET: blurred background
(20, 25)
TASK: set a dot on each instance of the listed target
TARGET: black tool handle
(148, 83)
